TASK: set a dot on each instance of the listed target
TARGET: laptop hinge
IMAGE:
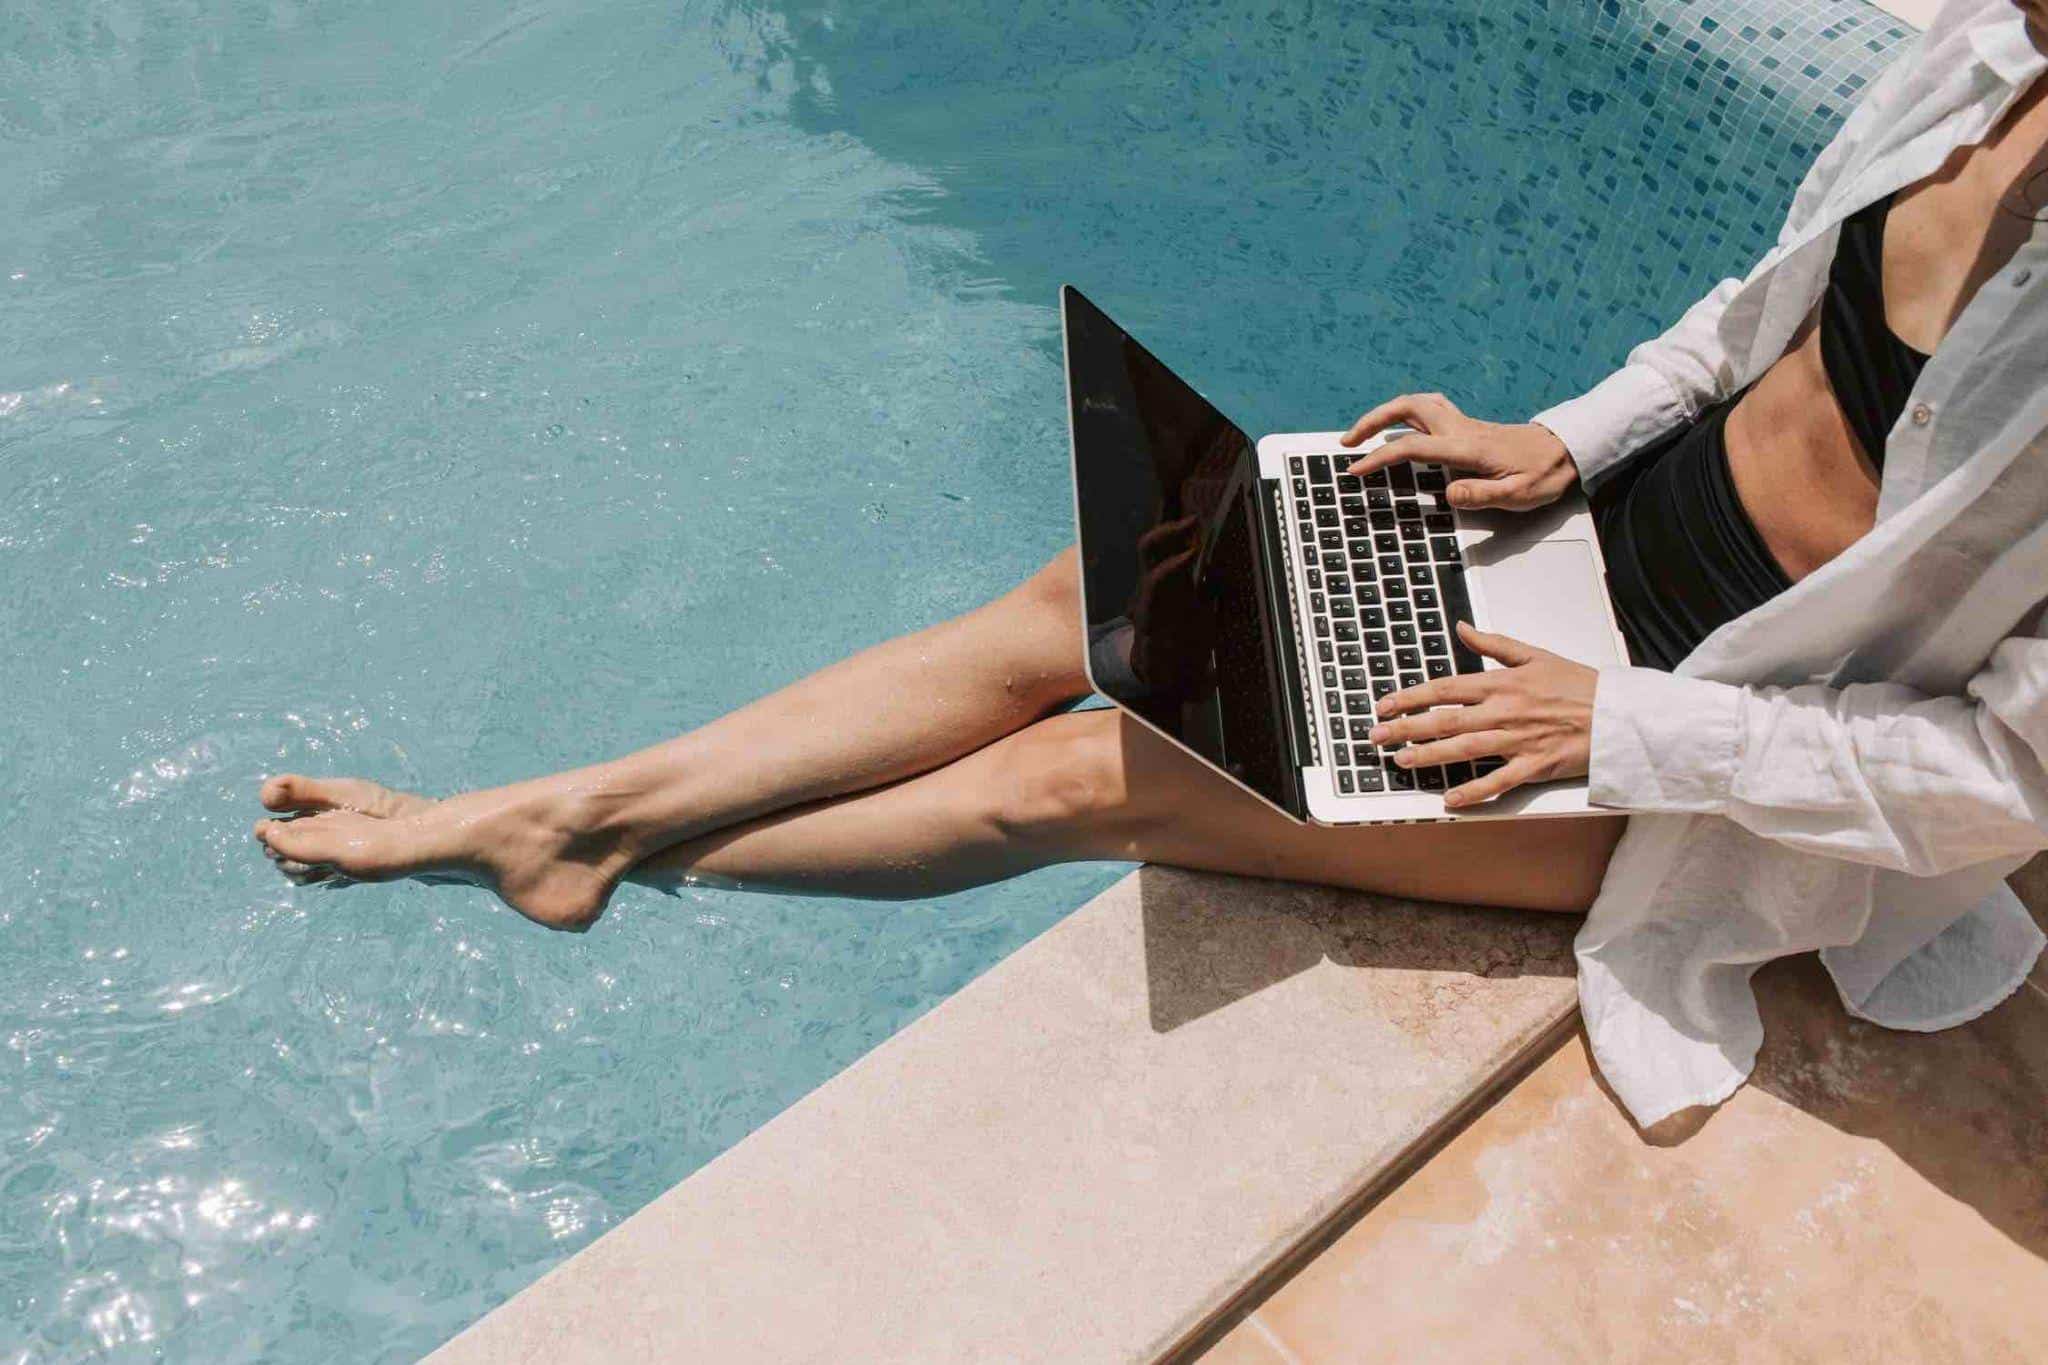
(1287, 660)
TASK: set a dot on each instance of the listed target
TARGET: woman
(1829, 552)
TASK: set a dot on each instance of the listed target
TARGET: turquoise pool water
(451, 391)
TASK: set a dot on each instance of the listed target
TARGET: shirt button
(2021, 276)
(1922, 414)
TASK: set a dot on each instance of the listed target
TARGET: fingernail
(1378, 734)
(1453, 799)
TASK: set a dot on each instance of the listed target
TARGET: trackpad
(1551, 595)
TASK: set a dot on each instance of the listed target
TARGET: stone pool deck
(1089, 1153)
(1868, 1196)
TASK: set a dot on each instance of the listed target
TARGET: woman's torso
(1802, 476)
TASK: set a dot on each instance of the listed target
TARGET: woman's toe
(289, 792)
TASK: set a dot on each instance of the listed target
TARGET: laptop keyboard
(1386, 584)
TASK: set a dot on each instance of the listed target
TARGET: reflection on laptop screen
(1165, 486)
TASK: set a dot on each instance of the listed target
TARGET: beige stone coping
(1918, 13)
(1869, 1196)
(1085, 1154)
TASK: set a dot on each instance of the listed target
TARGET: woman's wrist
(1564, 468)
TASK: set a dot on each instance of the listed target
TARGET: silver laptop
(1252, 603)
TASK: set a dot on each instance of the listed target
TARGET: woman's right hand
(1491, 464)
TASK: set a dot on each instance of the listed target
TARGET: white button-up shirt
(1857, 764)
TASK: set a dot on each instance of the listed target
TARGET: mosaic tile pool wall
(426, 389)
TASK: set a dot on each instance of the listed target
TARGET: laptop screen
(1166, 488)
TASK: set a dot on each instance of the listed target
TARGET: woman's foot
(524, 842)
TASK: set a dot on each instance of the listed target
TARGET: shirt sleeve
(1669, 379)
(1871, 773)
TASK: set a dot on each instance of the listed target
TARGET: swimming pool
(444, 393)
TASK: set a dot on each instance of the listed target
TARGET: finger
(1426, 411)
(1472, 493)
(1492, 785)
(1459, 748)
(1458, 453)
(1413, 445)
(1428, 725)
(1459, 689)
(1506, 648)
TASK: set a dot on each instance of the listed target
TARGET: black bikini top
(1869, 368)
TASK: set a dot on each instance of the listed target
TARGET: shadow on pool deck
(1198, 960)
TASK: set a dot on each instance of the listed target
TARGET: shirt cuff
(1663, 743)
(1618, 416)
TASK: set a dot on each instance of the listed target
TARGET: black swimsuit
(1682, 555)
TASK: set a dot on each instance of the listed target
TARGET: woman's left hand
(1537, 713)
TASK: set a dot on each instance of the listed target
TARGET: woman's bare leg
(555, 847)
(1096, 785)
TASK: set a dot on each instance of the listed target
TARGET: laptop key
(1430, 779)
(1409, 680)
(1415, 551)
(1457, 774)
(1398, 611)
(1438, 668)
(1341, 753)
(1370, 780)
(1350, 656)
(1327, 517)
(1435, 646)
(1425, 598)
(1361, 726)
(1408, 660)
(1444, 548)
(1323, 651)
(1372, 618)
(1428, 620)
(1402, 477)
(1345, 630)
(1338, 582)
(1368, 594)
(1323, 496)
(1345, 784)
(1379, 498)
(1354, 679)
(1404, 633)
(1400, 779)
(1329, 675)
(1319, 467)
(1382, 667)
(1358, 704)
(1331, 540)
(1376, 641)
(1390, 566)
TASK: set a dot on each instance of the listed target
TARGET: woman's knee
(1056, 588)
(1041, 630)
(1058, 778)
